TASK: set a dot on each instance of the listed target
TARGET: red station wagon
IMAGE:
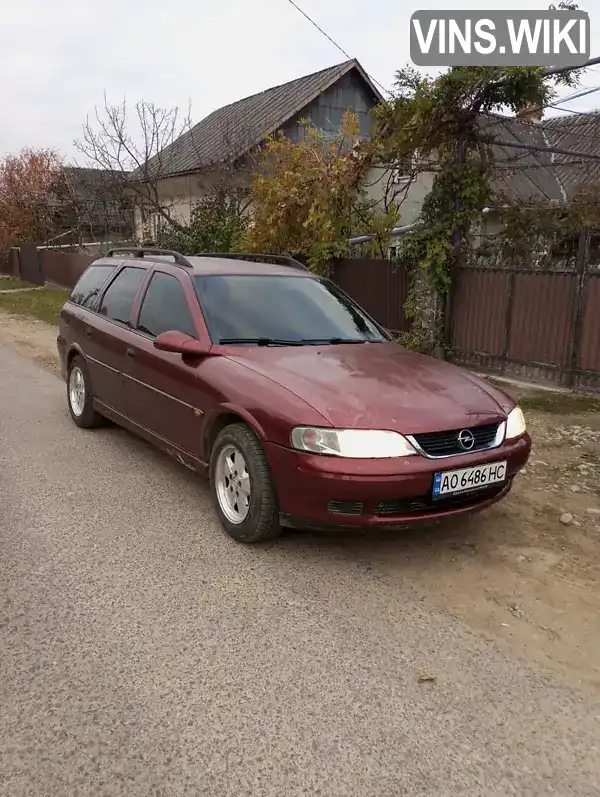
(270, 380)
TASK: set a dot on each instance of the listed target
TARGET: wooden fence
(380, 286)
(534, 323)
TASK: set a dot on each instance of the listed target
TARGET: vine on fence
(438, 121)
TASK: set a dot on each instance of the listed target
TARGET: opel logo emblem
(466, 439)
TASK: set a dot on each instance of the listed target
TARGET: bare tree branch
(134, 147)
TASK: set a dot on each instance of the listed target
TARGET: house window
(402, 173)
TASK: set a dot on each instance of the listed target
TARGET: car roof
(211, 266)
(229, 266)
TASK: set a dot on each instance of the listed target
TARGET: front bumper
(319, 491)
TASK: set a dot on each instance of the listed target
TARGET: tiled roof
(96, 195)
(88, 182)
(231, 131)
(522, 175)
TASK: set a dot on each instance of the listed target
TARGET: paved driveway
(144, 653)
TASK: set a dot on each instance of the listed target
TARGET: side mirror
(180, 343)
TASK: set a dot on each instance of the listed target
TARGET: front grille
(345, 507)
(426, 504)
(447, 444)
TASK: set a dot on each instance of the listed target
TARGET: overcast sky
(58, 58)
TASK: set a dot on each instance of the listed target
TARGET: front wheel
(80, 396)
(242, 486)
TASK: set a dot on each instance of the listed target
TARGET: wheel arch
(226, 415)
(74, 351)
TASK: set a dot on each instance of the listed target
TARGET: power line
(320, 29)
(577, 113)
(575, 96)
(537, 148)
(509, 165)
(335, 44)
(560, 132)
(537, 108)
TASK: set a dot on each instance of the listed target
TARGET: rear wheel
(80, 396)
(242, 486)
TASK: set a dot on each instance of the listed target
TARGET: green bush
(216, 225)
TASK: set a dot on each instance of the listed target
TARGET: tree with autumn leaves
(32, 189)
(308, 198)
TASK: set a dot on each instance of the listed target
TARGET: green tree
(442, 123)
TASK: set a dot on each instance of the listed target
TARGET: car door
(106, 334)
(164, 392)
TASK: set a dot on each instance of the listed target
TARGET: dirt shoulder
(525, 572)
(32, 338)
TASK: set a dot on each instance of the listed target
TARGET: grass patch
(45, 305)
(10, 283)
(560, 403)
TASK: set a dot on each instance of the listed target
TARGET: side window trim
(135, 320)
(134, 305)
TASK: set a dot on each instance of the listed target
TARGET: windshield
(281, 310)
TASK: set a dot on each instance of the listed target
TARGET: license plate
(464, 480)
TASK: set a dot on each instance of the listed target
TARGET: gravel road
(144, 653)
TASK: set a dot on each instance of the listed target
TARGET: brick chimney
(530, 113)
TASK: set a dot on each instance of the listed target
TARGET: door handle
(88, 332)
(130, 352)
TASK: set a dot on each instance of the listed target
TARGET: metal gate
(30, 264)
(530, 322)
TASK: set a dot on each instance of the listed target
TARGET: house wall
(179, 195)
(409, 194)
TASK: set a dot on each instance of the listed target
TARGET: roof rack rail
(276, 260)
(141, 251)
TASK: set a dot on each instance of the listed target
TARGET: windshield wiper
(332, 341)
(284, 342)
(263, 341)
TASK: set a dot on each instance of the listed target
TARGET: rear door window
(117, 302)
(91, 281)
(165, 308)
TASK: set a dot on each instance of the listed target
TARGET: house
(221, 145)
(220, 149)
(93, 207)
(528, 176)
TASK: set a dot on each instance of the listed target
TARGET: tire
(257, 518)
(82, 411)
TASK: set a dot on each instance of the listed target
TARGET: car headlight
(355, 443)
(515, 424)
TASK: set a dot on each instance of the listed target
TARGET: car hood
(379, 385)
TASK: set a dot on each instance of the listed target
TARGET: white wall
(410, 194)
(178, 195)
